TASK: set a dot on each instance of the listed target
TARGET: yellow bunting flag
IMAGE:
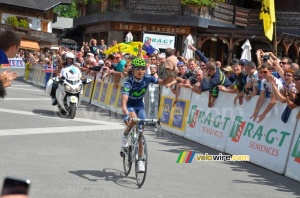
(130, 48)
(267, 14)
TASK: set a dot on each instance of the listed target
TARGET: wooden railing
(223, 12)
(30, 34)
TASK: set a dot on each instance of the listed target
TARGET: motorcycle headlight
(67, 88)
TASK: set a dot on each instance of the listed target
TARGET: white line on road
(21, 86)
(27, 99)
(69, 120)
(68, 129)
(26, 89)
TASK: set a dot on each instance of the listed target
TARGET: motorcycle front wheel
(72, 111)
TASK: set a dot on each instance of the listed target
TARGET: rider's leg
(141, 115)
(124, 137)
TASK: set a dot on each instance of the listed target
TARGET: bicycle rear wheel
(140, 177)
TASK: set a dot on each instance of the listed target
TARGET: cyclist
(132, 101)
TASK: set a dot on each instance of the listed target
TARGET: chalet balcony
(30, 34)
(226, 13)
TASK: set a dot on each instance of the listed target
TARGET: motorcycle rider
(69, 61)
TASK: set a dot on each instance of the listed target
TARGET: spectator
(102, 48)
(294, 66)
(85, 48)
(296, 102)
(239, 83)
(93, 47)
(267, 78)
(197, 86)
(9, 47)
(228, 73)
(161, 60)
(251, 80)
(217, 78)
(219, 65)
(153, 71)
(289, 87)
(171, 62)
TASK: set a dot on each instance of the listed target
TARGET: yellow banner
(130, 48)
(267, 14)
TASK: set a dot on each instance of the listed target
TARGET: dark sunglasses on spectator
(142, 68)
(106, 63)
(288, 75)
(282, 63)
(117, 57)
(264, 72)
(227, 72)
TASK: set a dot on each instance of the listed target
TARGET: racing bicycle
(130, 153)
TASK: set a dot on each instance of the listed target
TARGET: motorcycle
(69, 91)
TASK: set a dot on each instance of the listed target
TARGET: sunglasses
(106, 63)
(288, 75)
(138, 69)
(117, 57)
(227, 72)
(282, 63)
(263, 72)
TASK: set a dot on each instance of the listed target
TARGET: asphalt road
(80, 157)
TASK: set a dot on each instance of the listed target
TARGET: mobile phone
(15, 186)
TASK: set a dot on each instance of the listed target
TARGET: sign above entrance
(152, 28)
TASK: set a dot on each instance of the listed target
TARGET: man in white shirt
(266, 71)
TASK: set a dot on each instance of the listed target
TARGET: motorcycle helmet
(69, 55)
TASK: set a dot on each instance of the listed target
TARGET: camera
(266, 57)
(193, 81)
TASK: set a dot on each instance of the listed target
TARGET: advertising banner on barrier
(267, 142)
(293, 164)
(152, 101)
(16, 62)
(97, 91)
(173, 114)
(118, 102)
(210, 126)
(88, 89)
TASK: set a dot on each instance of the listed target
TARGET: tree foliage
(68, 11)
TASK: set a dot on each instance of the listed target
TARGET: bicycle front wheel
(141, 176)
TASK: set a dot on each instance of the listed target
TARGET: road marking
(27, 99)
(26, 89)
(68, 129)
(62, 119)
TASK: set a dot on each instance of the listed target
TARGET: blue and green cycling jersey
(136, 90)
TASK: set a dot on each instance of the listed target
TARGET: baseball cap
(100, 62)
(243, 61)
(228, 69)
(180, 63)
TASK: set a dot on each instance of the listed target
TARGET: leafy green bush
(23, 23)
(209, 3)
(12, 20)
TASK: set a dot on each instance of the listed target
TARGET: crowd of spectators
(271, 77)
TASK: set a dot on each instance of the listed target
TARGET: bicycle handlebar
(145, 120)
